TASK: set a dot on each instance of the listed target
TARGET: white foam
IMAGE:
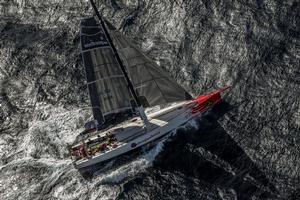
(132, 168)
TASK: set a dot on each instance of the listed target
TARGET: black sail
(106, 83)
(153, 85)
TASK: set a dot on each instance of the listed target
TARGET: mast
(130, 85)
(116, 54)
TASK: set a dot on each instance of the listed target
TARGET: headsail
(106, 82)
(153, 85)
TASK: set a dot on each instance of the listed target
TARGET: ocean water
(246, 148)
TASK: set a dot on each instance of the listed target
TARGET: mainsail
(153, 85)
(106, 83)
(108, 60)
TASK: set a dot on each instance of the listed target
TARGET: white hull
(163, 122)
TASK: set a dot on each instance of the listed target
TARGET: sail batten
(108, 77)
(95, 49)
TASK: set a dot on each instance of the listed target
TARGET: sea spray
(132, 168)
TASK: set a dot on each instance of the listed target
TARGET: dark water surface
(247, 148)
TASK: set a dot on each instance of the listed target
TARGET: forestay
(153, 85)
(106, 83)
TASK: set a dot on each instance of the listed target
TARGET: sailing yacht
(122, 82)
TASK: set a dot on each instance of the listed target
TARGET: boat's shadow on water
(211, 155)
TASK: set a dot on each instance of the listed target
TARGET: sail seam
(91, 34)
(103, 47)
(156, 84)
(104, 78)
(153, 79)
(104, 65)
